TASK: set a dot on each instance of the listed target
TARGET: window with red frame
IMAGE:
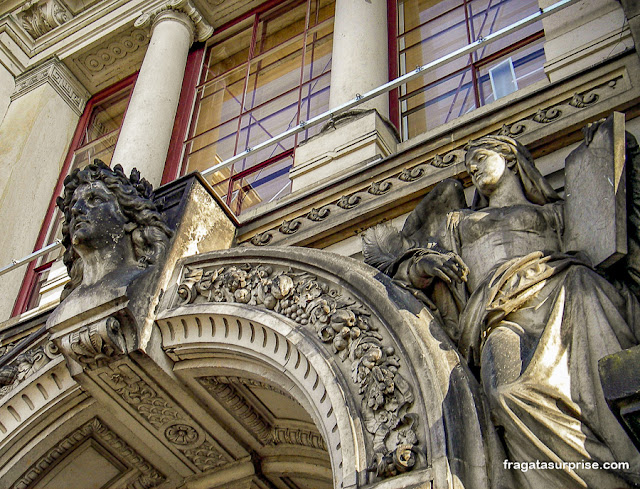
(262, 75)
(95, 137)
(430, 29)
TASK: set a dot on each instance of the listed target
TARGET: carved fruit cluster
(339, 321)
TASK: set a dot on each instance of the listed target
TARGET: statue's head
(501, 154)
(103, 209)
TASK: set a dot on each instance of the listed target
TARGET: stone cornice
(202, 29)
(358, 200)
(56, 74)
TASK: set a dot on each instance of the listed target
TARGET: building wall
(353, 174)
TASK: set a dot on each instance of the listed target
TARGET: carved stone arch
(372, 350)
(269, 349)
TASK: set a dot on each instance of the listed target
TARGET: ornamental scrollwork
(290, 227)
(344, 325)
(262, 239)
(544, 116)
(411, 174)
(318, 215)
(25, 365)
(97, 344)
(380, 188)
(348, 201)
(444, 161)
(513, 130)
(581, 100)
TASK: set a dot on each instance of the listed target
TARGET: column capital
(55, 73)
(201, 29)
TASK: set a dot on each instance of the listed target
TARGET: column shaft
(360, 52)
(146, 131)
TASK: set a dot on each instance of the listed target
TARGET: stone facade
(258, 350)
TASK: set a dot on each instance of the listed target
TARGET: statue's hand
(590, 130)
(448, 267)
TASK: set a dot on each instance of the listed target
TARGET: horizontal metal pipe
(23, 261)
(419, 71)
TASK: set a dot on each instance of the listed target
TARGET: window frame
(472, 65)
(259, 14)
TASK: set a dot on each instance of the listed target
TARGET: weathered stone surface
(595, 195)
(533, 320)
(620, 379)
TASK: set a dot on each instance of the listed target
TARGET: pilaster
(583, 35)
(34, 139)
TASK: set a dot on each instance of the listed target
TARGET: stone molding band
(56, 74)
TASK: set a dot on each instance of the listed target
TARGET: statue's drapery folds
(532, 319)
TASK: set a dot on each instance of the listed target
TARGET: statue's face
(487, 169)
(96, 218)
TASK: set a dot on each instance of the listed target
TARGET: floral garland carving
(341, 322)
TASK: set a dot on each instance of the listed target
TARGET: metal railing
(359, 99)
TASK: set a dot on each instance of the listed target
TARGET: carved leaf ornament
(344, 325)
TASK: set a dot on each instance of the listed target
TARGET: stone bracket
(96, 344)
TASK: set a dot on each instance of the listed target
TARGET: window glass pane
(321, 10)
(274, 74)
(315, 101)
(264, 185)
(220, 100)
(278, 77)
(317, 59)
(438, 103)
(213, 146)
(431, 29)
(230, 50)
(281, 24)
(106, 116)
(488, 16)
(528, 66)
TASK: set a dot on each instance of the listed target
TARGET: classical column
(146, 131)
(359, 64)
(360, 59)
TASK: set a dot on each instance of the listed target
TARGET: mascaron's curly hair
(149, 233)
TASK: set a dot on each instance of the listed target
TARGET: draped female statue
(531, 320)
